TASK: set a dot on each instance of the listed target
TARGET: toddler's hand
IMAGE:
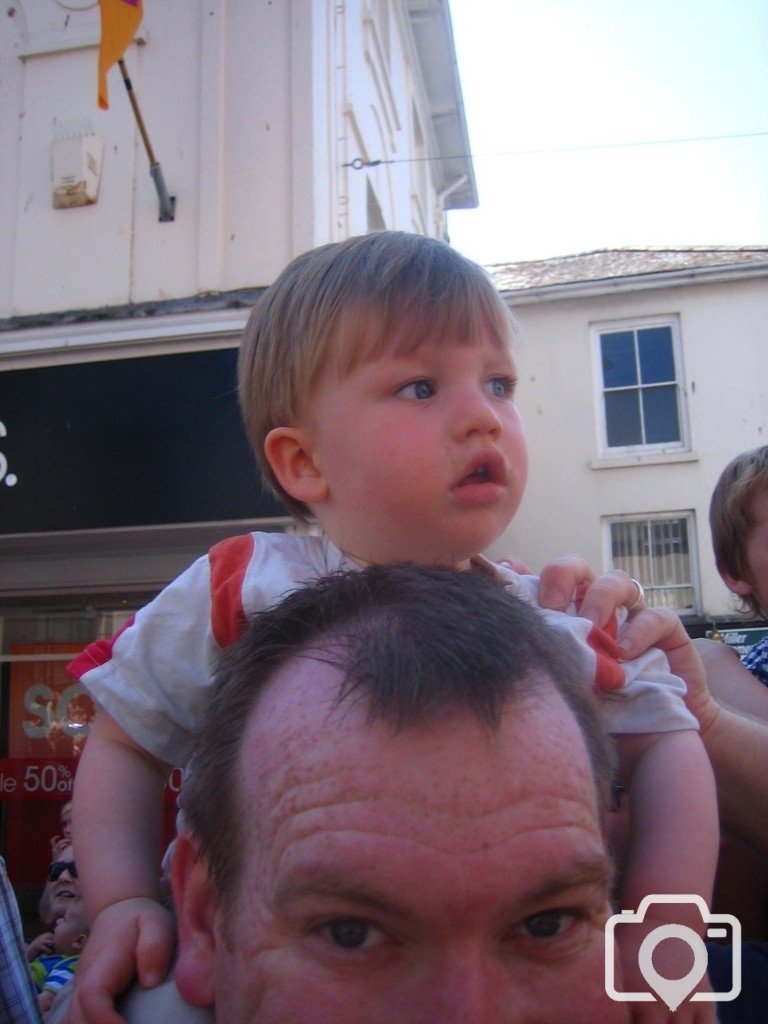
(134, 937)
(40, 944)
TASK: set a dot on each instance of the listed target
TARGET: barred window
(658, 551)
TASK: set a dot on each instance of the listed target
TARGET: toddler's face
(423, 454)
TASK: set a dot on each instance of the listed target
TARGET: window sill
(651, 459)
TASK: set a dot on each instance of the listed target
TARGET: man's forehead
(302, 752)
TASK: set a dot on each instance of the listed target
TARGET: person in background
(738, 517)
(18, 1003)
(62, 841)
(61, 887)
(52, 971)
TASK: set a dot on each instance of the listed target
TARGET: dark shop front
(115, 473)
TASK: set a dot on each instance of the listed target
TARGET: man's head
(348, 302)
(396, 806)
(737, 512)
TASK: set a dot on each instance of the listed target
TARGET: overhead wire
(358, 163)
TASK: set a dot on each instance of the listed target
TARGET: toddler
(52, 971)
(377, 386)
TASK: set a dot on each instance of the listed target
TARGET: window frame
(600, 328)
(650, 585)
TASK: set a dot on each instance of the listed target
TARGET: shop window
(641, 395)
(659, 552)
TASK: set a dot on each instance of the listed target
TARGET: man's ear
(195, 905)
(290, 453)
(741, 587)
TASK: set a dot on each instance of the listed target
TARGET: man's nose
(465, 992)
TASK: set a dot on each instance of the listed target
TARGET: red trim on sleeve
(229, 561)
(609, 675)
(96, 654)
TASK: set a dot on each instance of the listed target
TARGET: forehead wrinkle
(451, 834)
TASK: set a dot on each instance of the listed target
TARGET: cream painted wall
(725, 353)
(253, 108)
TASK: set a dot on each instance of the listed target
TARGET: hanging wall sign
(126, 442)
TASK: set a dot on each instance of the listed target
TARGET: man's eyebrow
(321, 880)
(595, 871)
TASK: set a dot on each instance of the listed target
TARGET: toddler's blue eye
(501, 387)
(418, 389)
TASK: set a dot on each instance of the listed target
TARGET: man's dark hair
(410, 642)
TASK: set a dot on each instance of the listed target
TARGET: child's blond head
(732, 516)
(348, 302)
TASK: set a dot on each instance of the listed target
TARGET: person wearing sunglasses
(61, 887)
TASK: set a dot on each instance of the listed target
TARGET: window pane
(681, 599)
(629, 549)
(618, 357)
(671, 559)
(622, 418)
(662, 424)
(657, 360)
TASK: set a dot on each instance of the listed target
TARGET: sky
(588, 81)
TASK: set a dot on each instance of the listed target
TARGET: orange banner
(120, 20)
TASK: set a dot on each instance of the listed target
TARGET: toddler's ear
(740, 587)
(290, 453)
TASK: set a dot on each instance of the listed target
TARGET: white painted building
(260, 114)
(642, 373)
(278, 125)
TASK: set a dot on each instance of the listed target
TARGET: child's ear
(290, 453)
(79, 941)
(741, 587)
(195, 904)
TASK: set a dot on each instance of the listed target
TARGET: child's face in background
(68, 928)
(757, 553)
(66, 822)
(423, 454)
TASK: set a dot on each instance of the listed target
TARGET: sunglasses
(59, 867)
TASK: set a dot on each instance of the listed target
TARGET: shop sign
(740, 639)
(32, 778)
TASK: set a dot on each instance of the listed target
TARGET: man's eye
(547, 924)
(501, 387)
(418, 389)
(350, 934)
